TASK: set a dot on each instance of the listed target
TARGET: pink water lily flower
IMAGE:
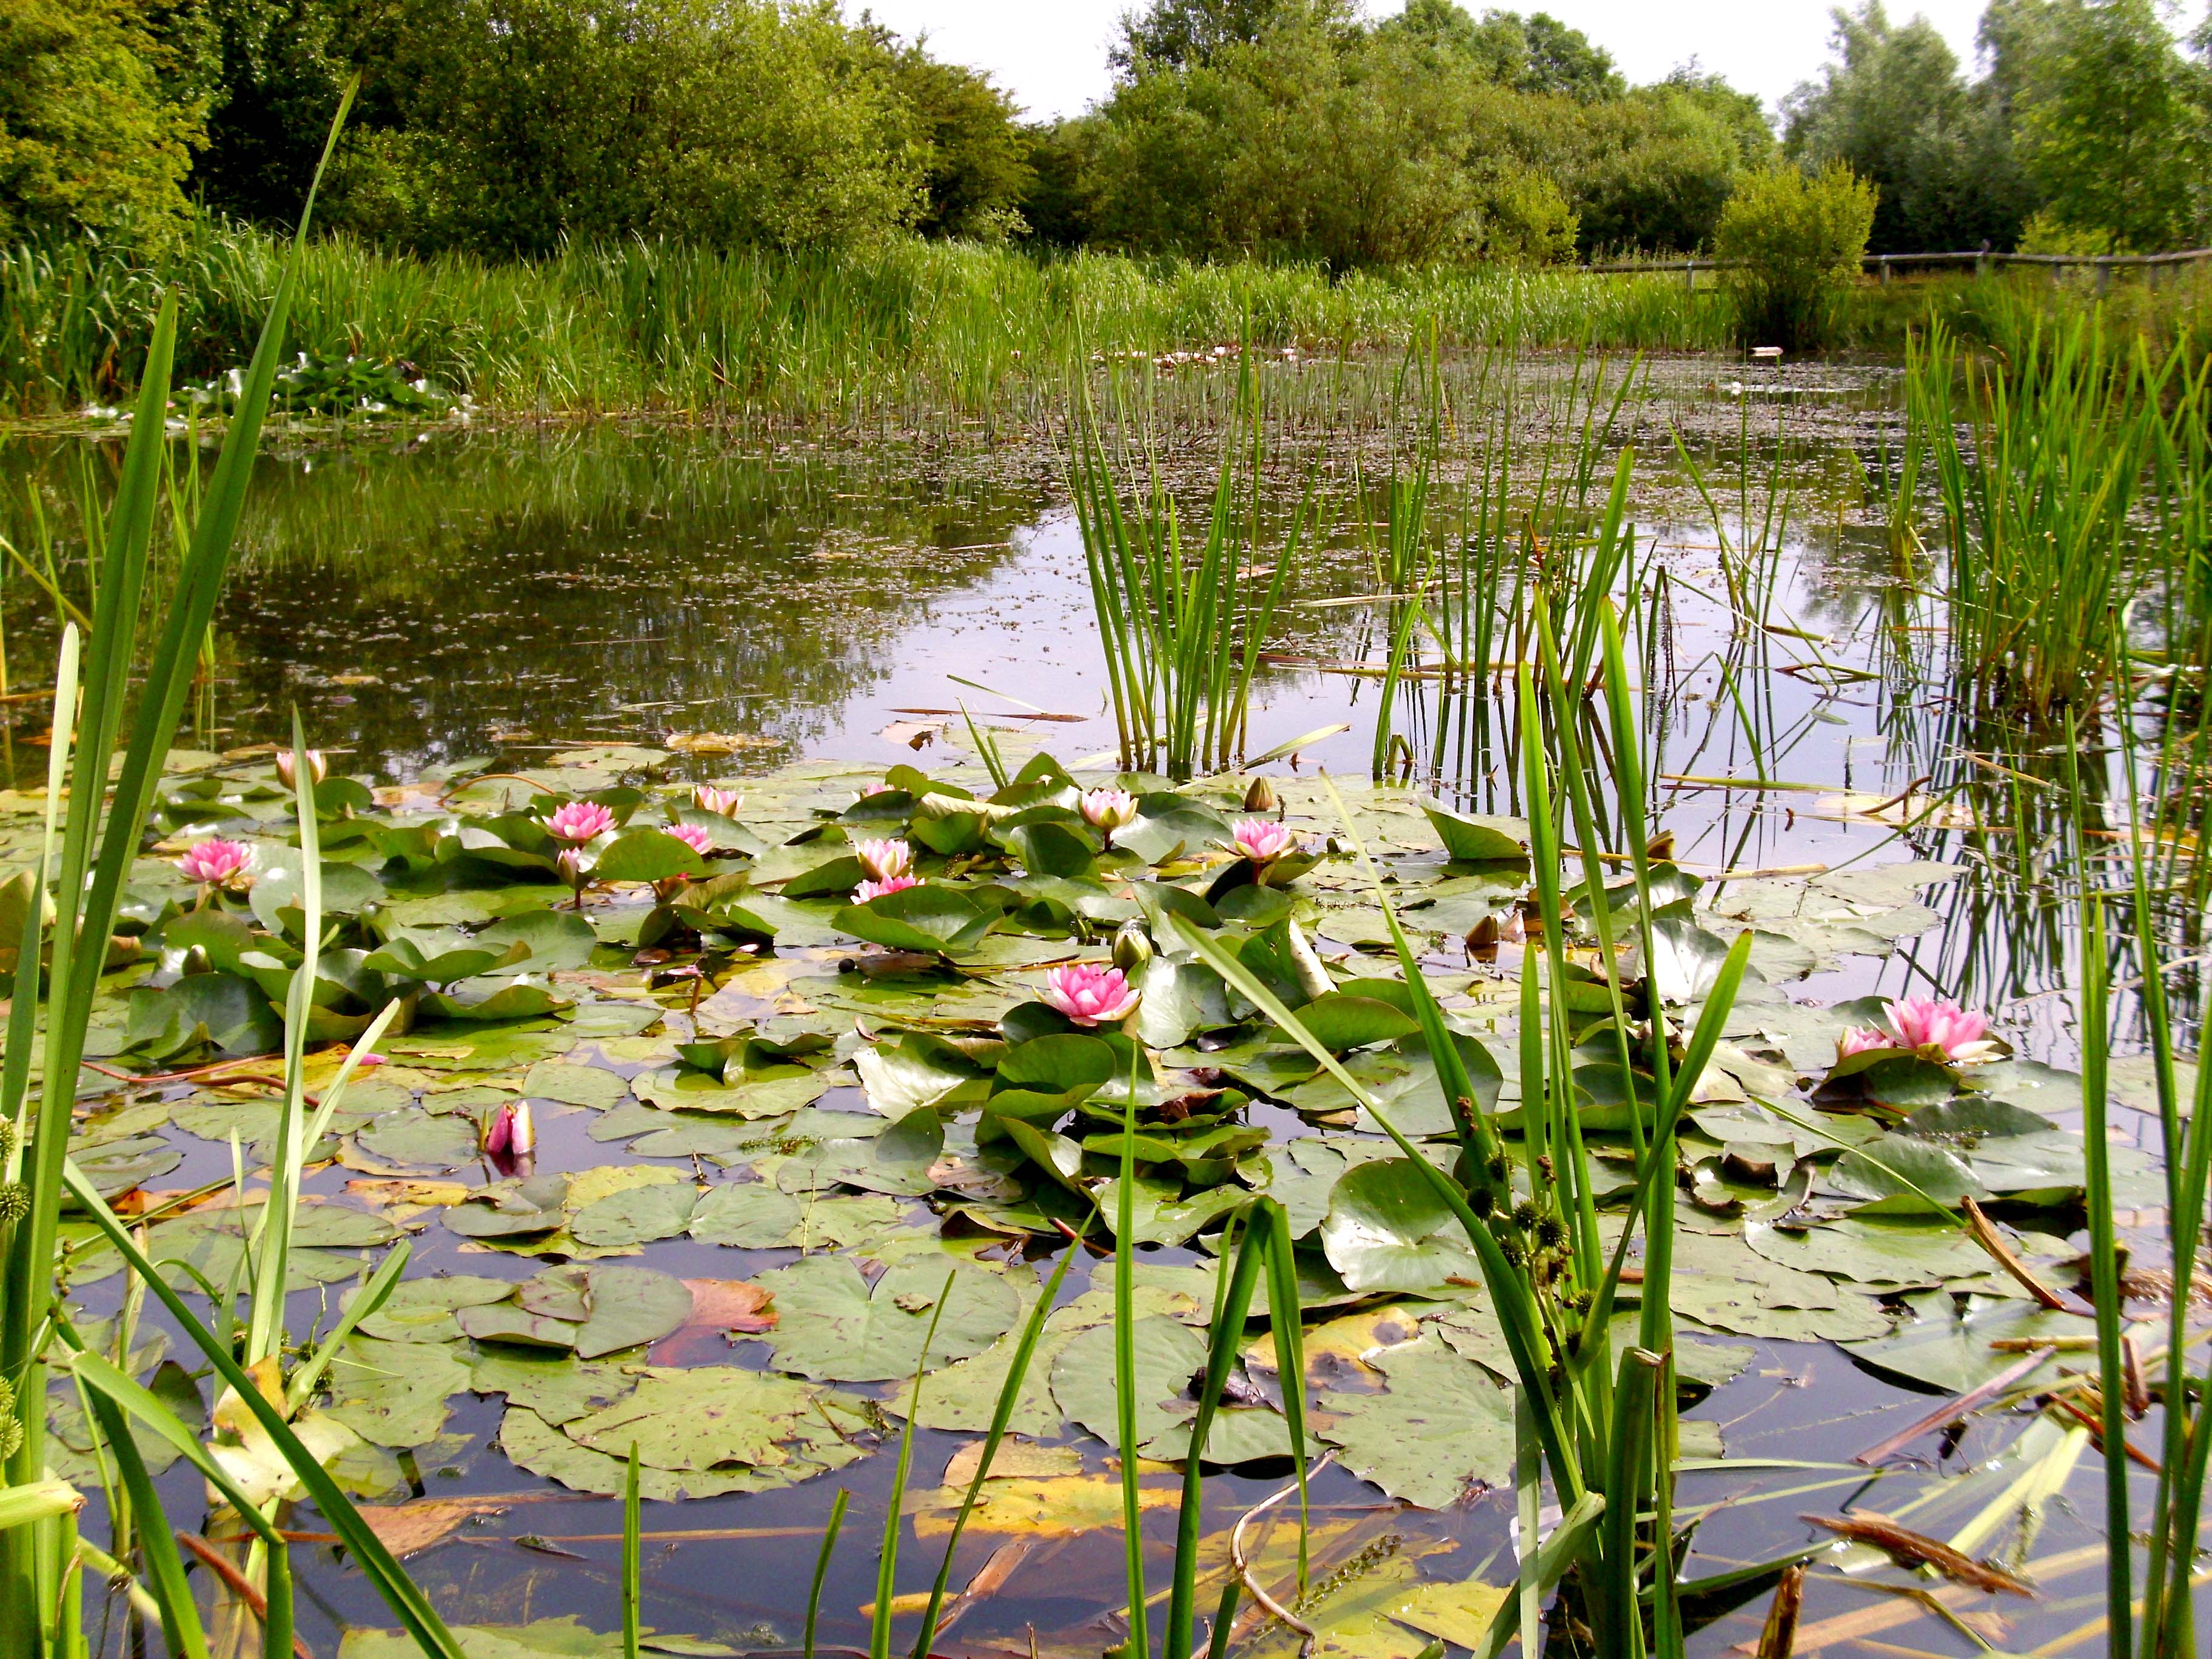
(1107, 809)
(1960, 1035)
(1090, 994)
(708, 799)
(874, 889)
(883, 859)
(875, 789)
(579, 821)
(218, 863)
(1263, 840)
(700, 841)
(511, 1130)
(1859, 1041)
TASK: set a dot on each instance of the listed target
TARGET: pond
(759, 1168)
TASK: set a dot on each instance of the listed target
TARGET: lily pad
(834, 1325)
(1388, 1230)
(1441, 1427)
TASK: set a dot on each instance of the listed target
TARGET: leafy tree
(976, 168)
(516, 124)
(1656, 165)
(2114, 123)
(1895, 108)
(1184, 33)
(91, 131)
(279, 68)
(1795, 240)
(1536, 54)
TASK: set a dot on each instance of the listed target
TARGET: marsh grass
(908, 330)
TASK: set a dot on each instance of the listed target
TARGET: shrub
(1799, 238)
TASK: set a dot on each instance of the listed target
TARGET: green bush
(1797, 240)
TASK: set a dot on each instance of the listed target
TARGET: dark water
(427, 598)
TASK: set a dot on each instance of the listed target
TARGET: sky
(1051, 54)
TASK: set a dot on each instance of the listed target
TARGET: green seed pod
(8, 1137)
(1481, 1200)
(1524, 1215)
(14, 1202)
(1500, 1169)
(1551, 1232)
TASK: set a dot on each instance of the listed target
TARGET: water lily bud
(1260, 797)
(1132, 946)
(1661, 849)
(1482, 939)
(288, 767)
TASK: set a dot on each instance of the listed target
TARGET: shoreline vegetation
(903, 332)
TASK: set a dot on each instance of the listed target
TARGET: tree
(517, 123)
(976, 166)
(1534, 54)
(2115, 124)
(1178, 35)
(1895, 108)
(89, 134)
(1656, 165)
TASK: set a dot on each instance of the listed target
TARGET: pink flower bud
(700, 841)
(511, 1131)
(1090, 994)
(288, 767)
(883, 859)
(1107, 809)
(579, 821)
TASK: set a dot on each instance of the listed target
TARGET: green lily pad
(1442, 1425)
(832, 1324)
(1388, 1230)
(636, 1216)
(754, 1216)
(558, 1387)
(705, 1417)
(394, 1394)
(422, 1310)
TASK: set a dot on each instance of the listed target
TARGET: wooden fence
(1981, 259)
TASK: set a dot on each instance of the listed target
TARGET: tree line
(1282, 130)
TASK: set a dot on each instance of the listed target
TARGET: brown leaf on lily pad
(730, 1305)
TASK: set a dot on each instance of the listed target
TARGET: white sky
(1051, 54)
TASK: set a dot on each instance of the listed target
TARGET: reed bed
(907, 330)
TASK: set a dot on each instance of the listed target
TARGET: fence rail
(1886, 263)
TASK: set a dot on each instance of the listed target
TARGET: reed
(865, 337)
(2041, 463)
(1603, 1423)
(1182, 630)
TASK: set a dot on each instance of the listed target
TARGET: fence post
(2103, 275)
(1690, 275)
(1885, 271)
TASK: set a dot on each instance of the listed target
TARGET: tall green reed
(2041, 463)
(1603, 1421)
(1182, 628)
(106, 762)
